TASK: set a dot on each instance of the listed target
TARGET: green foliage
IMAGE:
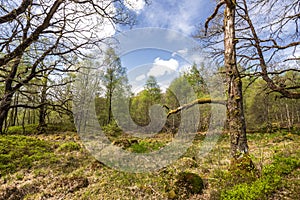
(195, 79)
(153, 90)
(257, 190)
(269, 181)
(139, 108)
(115, 83)
(264, 110)
(142, 102)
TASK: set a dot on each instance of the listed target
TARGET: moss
(69, 146)
(242, 170)
(270, 180)
(146, 146)
(189, 183)
(18, 152)
(172, 195)
(242, 163)
(20, 130)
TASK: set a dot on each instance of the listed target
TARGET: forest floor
(57, 166)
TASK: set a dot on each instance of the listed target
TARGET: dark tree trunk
(43, 109)
(6, 100)
(235, 110)
(15, 118)
(42, 117)
(4, 109)
(29, 117)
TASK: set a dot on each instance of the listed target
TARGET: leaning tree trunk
(6, 99)
(235, 110)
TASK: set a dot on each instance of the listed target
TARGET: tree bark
(14, 112)
(6, 100)
(4, 109)
(235, 110)
(15, 119)
(43, 108)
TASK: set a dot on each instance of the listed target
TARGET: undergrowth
(18, 152)
(58, 166)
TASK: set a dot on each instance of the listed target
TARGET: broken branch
(195, 102)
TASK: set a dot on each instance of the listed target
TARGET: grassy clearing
(57, 166)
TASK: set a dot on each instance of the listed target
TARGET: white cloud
(135, 5)
(172, 63)
(181, 52)
(140, 78)
(182, 16)
(163, 67)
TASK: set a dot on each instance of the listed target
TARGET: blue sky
(180, 15)
(162, 55)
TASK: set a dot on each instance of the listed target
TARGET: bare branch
(33, 37)
(16, 12)
(263, 63)
(218, 6)
(195, 102)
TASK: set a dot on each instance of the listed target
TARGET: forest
(74, 126)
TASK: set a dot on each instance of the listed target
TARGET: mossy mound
(189, 183)
(125, 143)
(243, 170)
(243, 163)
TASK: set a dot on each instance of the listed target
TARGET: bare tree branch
(16, 12)
(219, 5)
(193, 103)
